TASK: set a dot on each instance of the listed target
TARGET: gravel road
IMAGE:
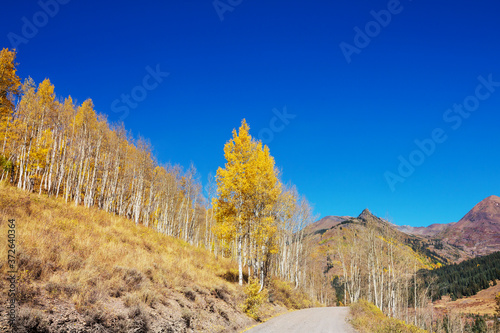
(314, 320)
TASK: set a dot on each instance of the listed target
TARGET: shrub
(189, 293)
(187, 316)
(222, 293)
(131, 300)
(26, 289)
(32, 320)
(131, 276)
(53, 288)
(232, 275)
(95, 315)
(148, 297)
(140, 321)
(255, 297)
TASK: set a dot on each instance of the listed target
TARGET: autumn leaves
(9, 82)
(52, 146)
(252, 204)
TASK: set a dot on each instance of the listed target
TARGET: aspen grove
(54, 147)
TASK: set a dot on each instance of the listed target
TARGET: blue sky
(351, 120)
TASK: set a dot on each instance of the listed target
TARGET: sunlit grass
(88, 255)
(367, 318)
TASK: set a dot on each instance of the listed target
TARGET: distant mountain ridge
(327, 222)
(476, 234)
(432, 230)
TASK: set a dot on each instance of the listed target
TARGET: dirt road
(315, 320)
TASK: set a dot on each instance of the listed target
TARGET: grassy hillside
(93, 271)
(481, 303)
(367, 318)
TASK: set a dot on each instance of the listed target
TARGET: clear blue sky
(353, 120)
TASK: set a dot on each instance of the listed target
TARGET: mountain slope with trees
(54, 148)
(464, 279)
(368, 258)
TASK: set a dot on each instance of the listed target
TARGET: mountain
(346, 249)
(330, 225)
(326, 223)
(431, 231)
(331, 230)
(355, 254)
(425, 242)
(478, 232)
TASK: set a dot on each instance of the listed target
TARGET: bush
(189, 293)
(131, 276)
(188, 317)
(232, 275)
(95, 315)
(221, 292)
(32, 320)
(131, 300)
(26, 290)
(148, 297)
(140, 321)
(255, 298)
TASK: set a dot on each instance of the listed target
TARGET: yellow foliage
(292, 298)
(9, 82)
(255, 298)
(367, 318)
(248, 190)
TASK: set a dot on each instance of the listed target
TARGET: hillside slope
(346, 248)
(320, 234)
(91, 271)
(478, 232)
(481, 303)
(324, 224)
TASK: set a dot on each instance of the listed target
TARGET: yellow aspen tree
(247, 189)
(74, 152)
(266, 192)
(9, 82)
(46, 109)
(234, 191)
(86, 123)
(9, 89)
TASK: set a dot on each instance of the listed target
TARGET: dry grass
(96, 271)
(367, 318)
(482, 303)
(88, 255)
(285, 294)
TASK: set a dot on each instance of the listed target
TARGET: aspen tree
(9, 83)
(9, 90)
(247, 191)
